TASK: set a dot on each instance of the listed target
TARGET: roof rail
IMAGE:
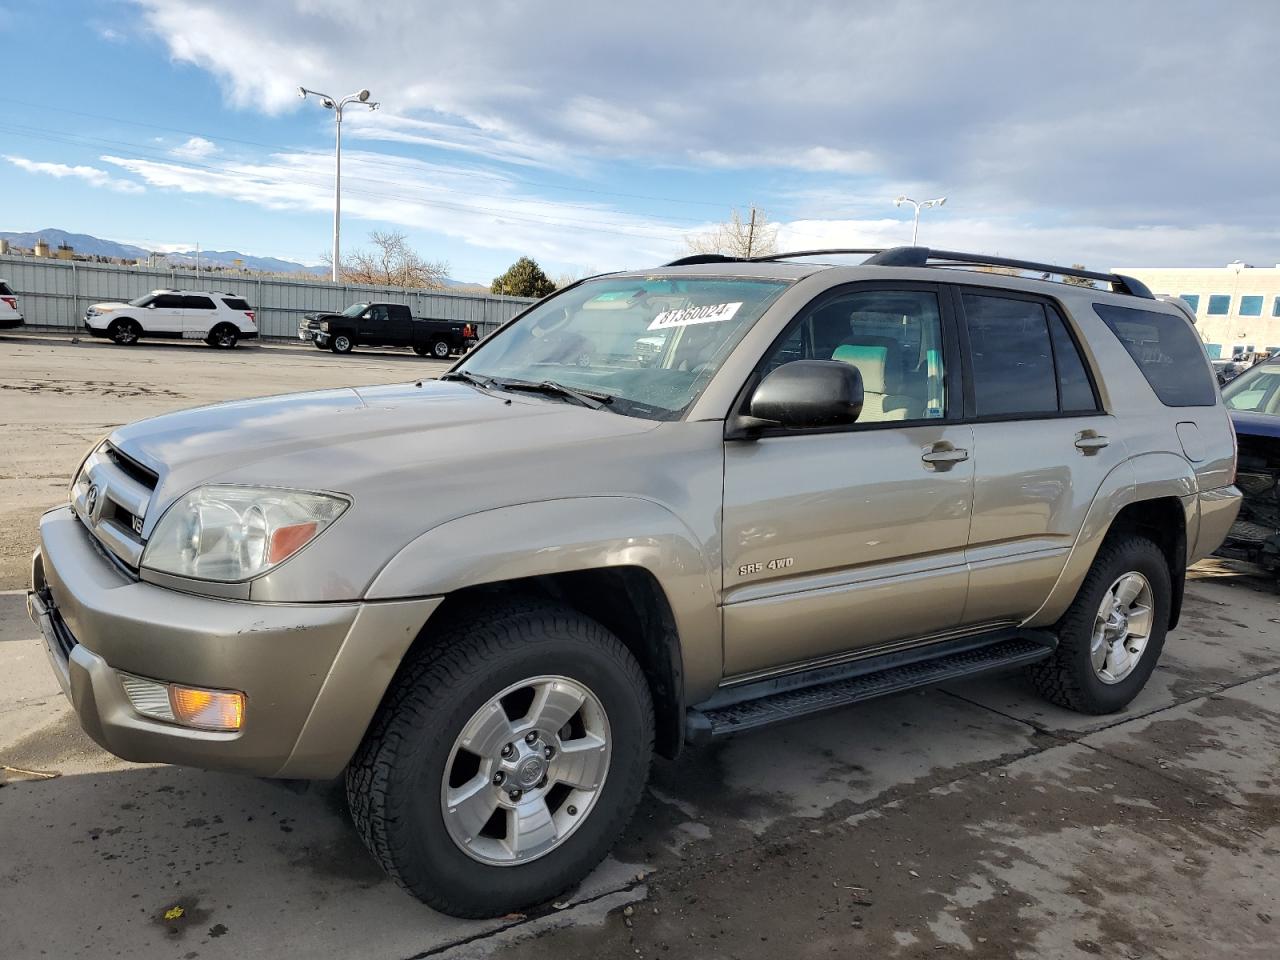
(923, 256)
(697, 258)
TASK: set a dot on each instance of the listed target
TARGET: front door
(164, 315)
(373, 325)
(840, 542)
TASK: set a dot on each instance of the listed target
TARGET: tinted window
(1011, 356)
(1251, 306)
(4, 289)
(1219, 304)
(1167, 351)
(893, 337)
(236, 303)
(1075, 392)
(1193, 301)
(1275, 307)
(197, 303)
(170, 301)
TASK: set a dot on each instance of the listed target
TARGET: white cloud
(91, 175)
(195, 148)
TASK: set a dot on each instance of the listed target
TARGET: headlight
(230, 534)
(324, 325)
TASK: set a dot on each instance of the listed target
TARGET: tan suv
(657, 506)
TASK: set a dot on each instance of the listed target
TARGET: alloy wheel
(1122, 627)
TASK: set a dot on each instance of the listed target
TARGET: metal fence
(56, 293)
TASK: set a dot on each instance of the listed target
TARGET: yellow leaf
(173, 913)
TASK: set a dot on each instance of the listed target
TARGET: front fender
(562, 536)
(1148, 476)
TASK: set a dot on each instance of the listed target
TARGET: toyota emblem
(91, 500)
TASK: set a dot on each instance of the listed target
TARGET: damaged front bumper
(1255, 536)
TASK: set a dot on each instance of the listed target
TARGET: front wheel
(124, 331)
(341, 344)
(505, 760)
(420, 350)
(1111, 636)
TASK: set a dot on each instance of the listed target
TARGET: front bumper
(313, 674)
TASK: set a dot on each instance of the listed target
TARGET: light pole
(337, 107)
(919, 205)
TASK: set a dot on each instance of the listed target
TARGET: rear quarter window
(236, 303)
(4, 289)
(1167, 351)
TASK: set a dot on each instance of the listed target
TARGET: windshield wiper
(485, 383)
(585, 398)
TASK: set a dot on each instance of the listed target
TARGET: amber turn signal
(207, 709)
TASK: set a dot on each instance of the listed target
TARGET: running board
(864, 680)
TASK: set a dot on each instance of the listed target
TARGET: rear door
(164, 315)
(199, 314)
(1042, 447)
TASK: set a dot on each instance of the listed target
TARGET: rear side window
(1011, 356)
(198, 303)
(1167, 351)
(236, 303)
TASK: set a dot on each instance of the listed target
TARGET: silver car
(656, 507)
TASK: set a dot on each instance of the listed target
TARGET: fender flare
(549, 537)
(1147, 476)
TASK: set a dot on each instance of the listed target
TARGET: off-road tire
(394, 780)
(125, 331)
(1067, 678)
(440, 349)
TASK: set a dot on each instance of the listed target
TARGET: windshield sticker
(709, 313)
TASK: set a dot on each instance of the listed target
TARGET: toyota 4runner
(657, 507)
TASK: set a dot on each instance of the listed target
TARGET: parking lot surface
(973, 820)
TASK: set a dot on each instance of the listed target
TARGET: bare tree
(755, 236)
(1077, 281)
(392, 263)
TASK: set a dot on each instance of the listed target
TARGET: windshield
(1256, 390)
(651, 344)
(354, 310)
(142, 301)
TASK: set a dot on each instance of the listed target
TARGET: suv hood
(107, 307)
(366, 442)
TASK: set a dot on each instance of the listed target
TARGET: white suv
(219, 319)
(10, 315)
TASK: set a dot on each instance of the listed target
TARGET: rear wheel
(341, 344)
(440, 349)
(224, 336)
(124, 331)
(1110, 638)
(505, 760)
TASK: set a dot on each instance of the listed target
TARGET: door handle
(1090, 442)
(944, 457)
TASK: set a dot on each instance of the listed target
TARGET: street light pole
(919, 205)
(337, 106)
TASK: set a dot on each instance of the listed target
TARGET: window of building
(1214, 350)
(1251, 306)
(1275, 307)
(1219, 304)
(1012, 356)
(1193, 301)
(1167, 351)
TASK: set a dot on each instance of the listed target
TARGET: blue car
(1253, 399)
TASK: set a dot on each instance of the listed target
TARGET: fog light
(189, 706)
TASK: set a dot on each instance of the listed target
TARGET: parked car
(512, 584)
(219, 319)
(1227, 370)
(10, 315)
(1253, 400)
(386, 325)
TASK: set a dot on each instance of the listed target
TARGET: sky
(596, 136)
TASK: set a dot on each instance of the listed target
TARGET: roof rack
(924, 257)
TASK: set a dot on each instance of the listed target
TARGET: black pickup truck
(386, 325)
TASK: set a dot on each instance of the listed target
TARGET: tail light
(467, 332)
(249, 314)
(11, 301)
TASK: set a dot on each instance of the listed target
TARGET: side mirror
(805, 394)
